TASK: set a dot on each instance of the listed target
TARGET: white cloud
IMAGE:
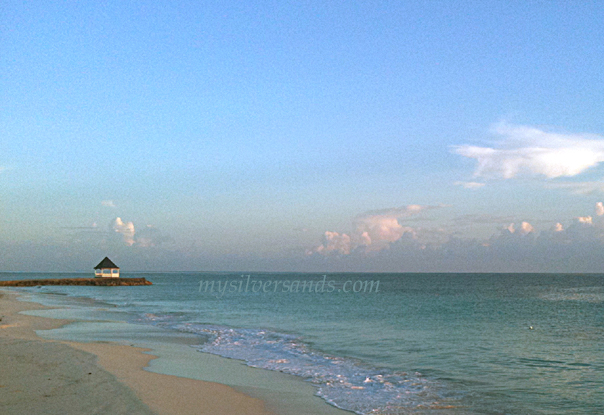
(599, 209)
(108, 203)
(147, 237)
(126, 229)
(373, 231)
(469, 185)
(524, 229)
(333, 242)
(526, 150)
(585, 219)
(516, 247)
(377, 231)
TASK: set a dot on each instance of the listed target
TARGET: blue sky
(308, 136)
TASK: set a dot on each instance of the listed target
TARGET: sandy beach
(52, 377)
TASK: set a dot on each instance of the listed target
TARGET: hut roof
(106, 263)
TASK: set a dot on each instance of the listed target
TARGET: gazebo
(106, 269)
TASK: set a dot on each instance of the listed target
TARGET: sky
(385, 136)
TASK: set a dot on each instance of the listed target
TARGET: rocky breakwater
(103, 282)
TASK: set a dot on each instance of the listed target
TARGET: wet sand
(53, 377)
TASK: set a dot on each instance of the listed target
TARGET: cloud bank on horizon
(373, 231)
(515, 247)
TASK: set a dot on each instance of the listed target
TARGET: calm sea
(423, 343)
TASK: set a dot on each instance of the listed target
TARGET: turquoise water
(424, 343)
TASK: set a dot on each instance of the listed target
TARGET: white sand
(42, 376)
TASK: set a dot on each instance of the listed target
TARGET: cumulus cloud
(524, 229)
(108, 203)
(126, 229)
(583, 230)
(145, 237)
(519, 247)
(373, 231)
(576, 246)
(525, 150)
(333, 243)
(599, 209)
(469, 185)
(585, 219)
(377, 229)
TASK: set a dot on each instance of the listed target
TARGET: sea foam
(342, 382)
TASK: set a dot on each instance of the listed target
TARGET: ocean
(374, 343)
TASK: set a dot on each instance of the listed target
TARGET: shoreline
(73, 378)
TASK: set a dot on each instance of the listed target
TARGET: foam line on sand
(68, 378)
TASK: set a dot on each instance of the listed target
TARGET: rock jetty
(103, 282)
